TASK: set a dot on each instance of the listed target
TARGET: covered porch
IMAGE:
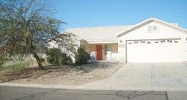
(100, 49)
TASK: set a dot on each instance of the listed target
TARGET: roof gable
(145, 22)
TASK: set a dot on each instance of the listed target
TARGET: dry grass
(62, 75)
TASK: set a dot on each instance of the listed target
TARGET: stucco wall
(114, 47)
(92, 48)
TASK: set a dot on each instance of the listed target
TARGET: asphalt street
(28, 93)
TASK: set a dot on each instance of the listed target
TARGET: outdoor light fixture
(121, 41)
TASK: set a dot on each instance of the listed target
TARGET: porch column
(109, 55)
(93, 56)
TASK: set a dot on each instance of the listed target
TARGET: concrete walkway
(146, 76)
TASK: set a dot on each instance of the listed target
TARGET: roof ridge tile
(100, 27)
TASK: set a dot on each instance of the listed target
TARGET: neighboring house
(152, 40)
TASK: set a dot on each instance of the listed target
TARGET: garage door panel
(153, 51)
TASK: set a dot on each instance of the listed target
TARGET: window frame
(152, 28)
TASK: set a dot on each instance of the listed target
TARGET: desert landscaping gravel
(63, 75)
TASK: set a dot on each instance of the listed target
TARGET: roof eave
(101, 42)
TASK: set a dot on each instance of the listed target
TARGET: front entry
(99, 52)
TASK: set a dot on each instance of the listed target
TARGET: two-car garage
(154, 40)
(153, 50)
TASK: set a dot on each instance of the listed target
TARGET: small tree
(81, 57)
(25, 27)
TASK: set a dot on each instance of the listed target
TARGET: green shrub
(81, 57)
(64, 59)
(56, 57)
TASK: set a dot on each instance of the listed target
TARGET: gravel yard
(62, 75)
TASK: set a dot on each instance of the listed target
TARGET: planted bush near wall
(81, 57)
(56, 57)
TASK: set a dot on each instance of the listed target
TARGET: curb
(39, 85)
(82, 87)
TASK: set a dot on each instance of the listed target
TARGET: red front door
(99, 52)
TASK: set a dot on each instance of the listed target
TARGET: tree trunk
(38, 61)
(36, 56)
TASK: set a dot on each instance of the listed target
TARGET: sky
(94, 13)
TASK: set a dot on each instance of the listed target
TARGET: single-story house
(151, 40)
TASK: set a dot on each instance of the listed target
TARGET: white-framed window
(135, 42)
(169, 41)
(142, 41)
(108, 47)
(162, 41)
(153, 28)
(129, 42)
(176, 41)
(156, 41)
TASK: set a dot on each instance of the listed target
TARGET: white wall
(164, 32)
(53, 44)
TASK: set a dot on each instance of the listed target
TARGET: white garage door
(154, 50)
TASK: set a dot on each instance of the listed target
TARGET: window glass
(154, 28)
(108, 47)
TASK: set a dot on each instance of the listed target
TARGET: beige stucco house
(151, 40)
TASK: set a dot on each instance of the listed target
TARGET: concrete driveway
(148, 76)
